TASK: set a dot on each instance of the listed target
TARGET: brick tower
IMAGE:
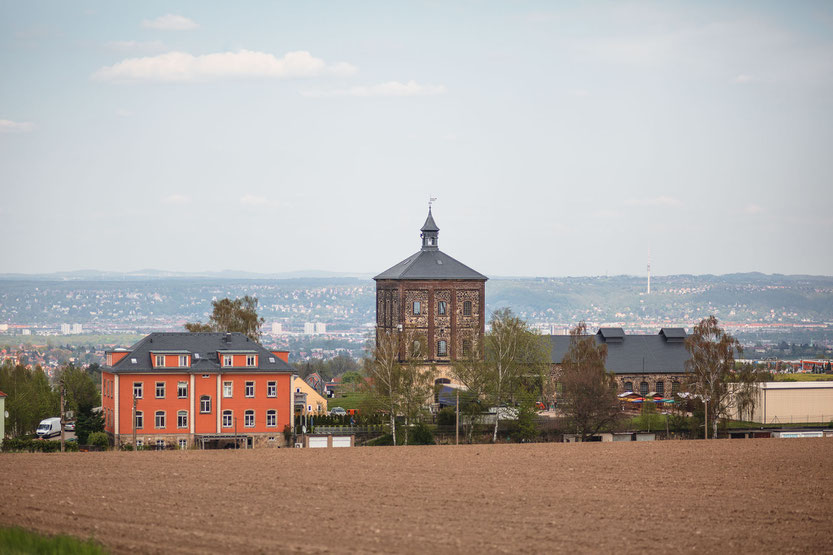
(437, 301)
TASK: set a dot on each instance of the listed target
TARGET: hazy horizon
(568, 139)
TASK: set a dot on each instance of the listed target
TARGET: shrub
(421, 435)
(447, 417)
(37, 445)
(98, 439)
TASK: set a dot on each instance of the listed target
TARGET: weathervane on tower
(431, 201)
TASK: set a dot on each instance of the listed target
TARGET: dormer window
(183, 360)
(228, 360)
(160, 360)
(251, 360)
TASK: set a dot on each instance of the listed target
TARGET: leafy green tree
(527, 420)
(588, 390)
(238, 315)
(80, 389)
(30, 397)
(515, 357)
(710, 368)
(88, 422)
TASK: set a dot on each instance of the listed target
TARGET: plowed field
(718, 496)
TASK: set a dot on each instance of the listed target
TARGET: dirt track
(728, 495)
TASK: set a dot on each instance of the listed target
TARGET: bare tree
(238, 315)
(710, 367)
(472, 373)
(515, 356)
(588, 397)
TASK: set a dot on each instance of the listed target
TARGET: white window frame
(442, 348)
(251, 361)
(250, 384)
(228, 390)
(230, 415)
(138, 390)
(159, 385)
(160, 361)
(180, 386)
(139, 443)
(249, 419)
(156, 417)
(180, 415)
(140, 419)
(273, 415)
(183, 361)
(271, 389)
(228, 360)
(416, 308)
(160, 444)
(205, 399)
(183, 444)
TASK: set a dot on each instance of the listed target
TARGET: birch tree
(710, 367)
(385, 372)
(515, 357)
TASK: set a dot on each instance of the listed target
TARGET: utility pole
(63, 392)
(457, 420)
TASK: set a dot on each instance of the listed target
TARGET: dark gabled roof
(612, 333)
(430, 264)
(429, 224)
(635, 354)
(673, 334)
(203, 347)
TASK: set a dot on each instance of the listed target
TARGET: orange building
(197, 389)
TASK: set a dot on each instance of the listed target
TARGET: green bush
(12, 445)
(98, 439)
(447, 417)
(420, 435)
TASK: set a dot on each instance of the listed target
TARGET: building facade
(641, 363)
(197, 389)
(437, 302)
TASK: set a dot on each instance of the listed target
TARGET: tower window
(466, 347)
(628, 386)
(442, 348)
(467, 308)
(416, 307)
(441, 308)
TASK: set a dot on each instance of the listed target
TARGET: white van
(49, 427)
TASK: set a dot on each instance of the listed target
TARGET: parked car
(338, 411)
(49, 427)
(69, 426)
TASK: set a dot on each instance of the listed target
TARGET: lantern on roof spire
(430, 232)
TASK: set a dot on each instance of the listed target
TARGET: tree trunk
(393, 425)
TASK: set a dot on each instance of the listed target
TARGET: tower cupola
(430, 233)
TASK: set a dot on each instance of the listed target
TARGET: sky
(558, 138)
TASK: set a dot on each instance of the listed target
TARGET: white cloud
(176, 199)
(184, 67)
(124, 113)
(136, 45)
(654, 201)
(8, 126)
(170, 22)
(391, 88)
(753, 209)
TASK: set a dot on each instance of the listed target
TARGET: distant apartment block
(309, 328)
(320, 327)
(76, 328)
(65, 329)
(277, 328)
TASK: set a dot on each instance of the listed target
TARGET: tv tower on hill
(649, 272)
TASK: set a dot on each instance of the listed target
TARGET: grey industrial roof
(430, 264)
(632, 354)
(204, 349)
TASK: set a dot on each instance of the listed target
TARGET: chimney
(283, 355)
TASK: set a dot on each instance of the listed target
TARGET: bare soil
(750, 496)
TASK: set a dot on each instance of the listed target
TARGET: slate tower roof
(430, 263)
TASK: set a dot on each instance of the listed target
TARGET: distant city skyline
(563, 139)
